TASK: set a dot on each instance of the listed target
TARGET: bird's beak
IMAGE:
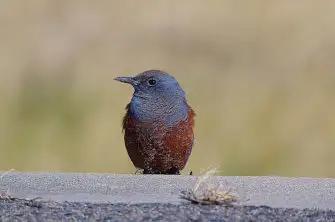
(125, 79)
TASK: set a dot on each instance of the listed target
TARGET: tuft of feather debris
(204, 192)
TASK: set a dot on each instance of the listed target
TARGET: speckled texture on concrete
(123, 188)
(21, 210)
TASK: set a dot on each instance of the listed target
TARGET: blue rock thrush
(158, 125)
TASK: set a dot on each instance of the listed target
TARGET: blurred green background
(259, 74)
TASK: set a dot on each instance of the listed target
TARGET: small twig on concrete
(4, 174)
(4, 194)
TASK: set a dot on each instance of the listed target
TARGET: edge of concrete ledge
(126, 188)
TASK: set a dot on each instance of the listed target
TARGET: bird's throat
(169, 112)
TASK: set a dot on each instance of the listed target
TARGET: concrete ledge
(123, 188)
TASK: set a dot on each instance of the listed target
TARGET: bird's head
(156, 94)
(154, 84)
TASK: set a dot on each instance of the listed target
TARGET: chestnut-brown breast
(158, 146)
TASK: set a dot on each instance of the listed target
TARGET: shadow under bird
(158, 125)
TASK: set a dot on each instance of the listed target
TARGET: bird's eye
(151, 82)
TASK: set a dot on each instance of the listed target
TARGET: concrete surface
(123, 188)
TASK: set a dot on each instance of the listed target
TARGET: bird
(158, 125)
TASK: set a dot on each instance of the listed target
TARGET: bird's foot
(139, 171)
